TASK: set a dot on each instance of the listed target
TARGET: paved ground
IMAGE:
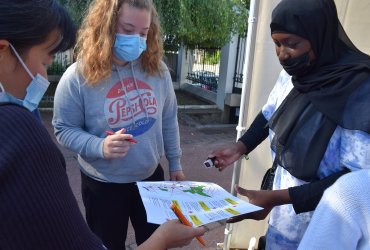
(196, 143)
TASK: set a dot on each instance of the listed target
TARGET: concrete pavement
(196, 142)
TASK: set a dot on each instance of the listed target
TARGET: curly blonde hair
(97, 35)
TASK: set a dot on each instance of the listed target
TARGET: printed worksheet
(200, 202)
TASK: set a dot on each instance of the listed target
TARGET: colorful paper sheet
(200, 202)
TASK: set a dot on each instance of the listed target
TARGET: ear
(4, 46)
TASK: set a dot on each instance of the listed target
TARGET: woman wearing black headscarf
(319, 118)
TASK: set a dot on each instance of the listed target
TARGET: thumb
(234, 219)
(211, 155)
(199, 231)
(241, 190)
(121, 131)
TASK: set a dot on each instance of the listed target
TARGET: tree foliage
(202, 23)
(76, 9)
(195, 23)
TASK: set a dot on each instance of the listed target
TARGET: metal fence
(171, 60)
(239, 62)
(63, 59)
(204, 66)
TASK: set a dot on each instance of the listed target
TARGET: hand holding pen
(132, 140)
(117, 144)
(226, 156)
(185, 221)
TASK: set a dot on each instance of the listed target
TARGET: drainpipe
(247, 71)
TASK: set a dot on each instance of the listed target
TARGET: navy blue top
(37, 206)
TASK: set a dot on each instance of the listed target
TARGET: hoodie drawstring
(127, 97)
(137, 89)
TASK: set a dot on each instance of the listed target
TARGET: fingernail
(206, 229)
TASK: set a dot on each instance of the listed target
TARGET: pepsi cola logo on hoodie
(131, 108)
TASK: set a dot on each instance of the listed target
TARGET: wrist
(281, 197)
(156, 241)
(160, 242)
(241, 149)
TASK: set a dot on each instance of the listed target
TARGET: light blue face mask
(128, 48)
(35, 90)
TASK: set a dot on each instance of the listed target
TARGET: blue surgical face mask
(35, 90)
(128, 48)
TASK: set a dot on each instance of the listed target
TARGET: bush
(56, 68)
(212, 57)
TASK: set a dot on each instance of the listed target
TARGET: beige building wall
(354, 15)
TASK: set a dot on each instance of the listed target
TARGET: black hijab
(335, 91)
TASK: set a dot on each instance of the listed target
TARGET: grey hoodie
(82, 114)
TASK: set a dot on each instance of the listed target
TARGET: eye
(128, 31)
(292, 45)
(51, 54)
(277, 44)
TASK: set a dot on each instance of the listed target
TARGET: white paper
(200, 202)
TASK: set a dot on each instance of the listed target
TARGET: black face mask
(297, 66)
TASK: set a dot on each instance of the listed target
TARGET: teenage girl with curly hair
(118, 84)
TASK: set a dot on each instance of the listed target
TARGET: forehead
(54, 39)
(137, 17)
(287, 36)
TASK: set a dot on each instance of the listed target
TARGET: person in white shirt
(342, 218)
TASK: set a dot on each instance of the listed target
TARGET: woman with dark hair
(21, 34)
(37, 207)
(318, 116)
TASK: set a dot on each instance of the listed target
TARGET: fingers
(200, 231)
(219, 163)
(116, 145)
(121, 131)
(241, 190)
(119, 143)
(177, 176)
(119, 135)
(235, 219)
(176, 234)
(222, 158)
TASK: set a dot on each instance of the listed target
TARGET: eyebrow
(131, 25)
(291, 39)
